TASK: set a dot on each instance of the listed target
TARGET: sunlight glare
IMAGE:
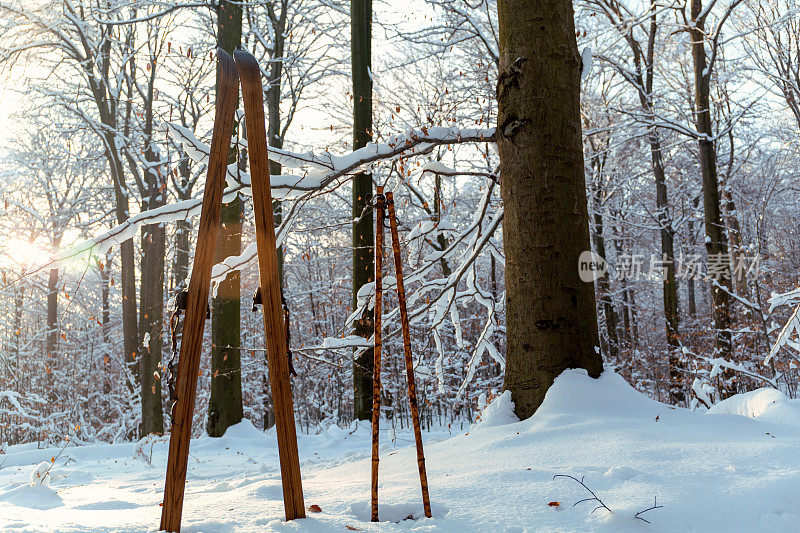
(22, 253)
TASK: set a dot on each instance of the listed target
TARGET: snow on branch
(792, 327)
(718, 363)
(164, 8)
(13, 399)
(325, 169)
(438, 298)
(787, 298)
(438, 168)
(321, 171)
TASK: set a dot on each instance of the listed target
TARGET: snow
(764, 404)
(366, 295)
(38, 496)
(41, 474)
(396, 512)
(734, 469)
(437, 167)
(349, 341)
(586, 62)
(498, 413)
(13, 398)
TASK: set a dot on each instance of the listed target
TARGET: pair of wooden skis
(384, 203)
(229, 70)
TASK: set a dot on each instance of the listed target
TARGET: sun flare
(22, 253)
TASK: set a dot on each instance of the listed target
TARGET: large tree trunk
(551, 315)
(716, 241)
(130, 326)
(225, 406)
(151, 309)
(363, 234)
(670, 291)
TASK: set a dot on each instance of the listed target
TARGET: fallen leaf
(554, 504)
(315, 508)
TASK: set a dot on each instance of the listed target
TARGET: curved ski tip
(247, 65)
(226, 65)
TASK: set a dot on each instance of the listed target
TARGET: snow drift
(709, 472)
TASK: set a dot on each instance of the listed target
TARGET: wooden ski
(197, 297)
(253, 98)
(380, 207)
(412, 387)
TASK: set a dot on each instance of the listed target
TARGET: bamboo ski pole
(275, 332)
(197, 297)
(380, 207)
(412, 388)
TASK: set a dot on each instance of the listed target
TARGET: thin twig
(594, 496)
(655, 506)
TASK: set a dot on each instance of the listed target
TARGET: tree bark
(225, 405)
(363, 234)
(275, 140)
(603, 283)
(183, 230)
(735, 236)
(52, 314)
(609, 343)
(551, 314)
(716, 241)
(19, 300)
(130, 326)
(107, 105)
(691, 296)
(151, 311)
(105, 289)
(669, 284)
(151, 308)
(441, 240)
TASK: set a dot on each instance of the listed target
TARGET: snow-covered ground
(735, 469)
